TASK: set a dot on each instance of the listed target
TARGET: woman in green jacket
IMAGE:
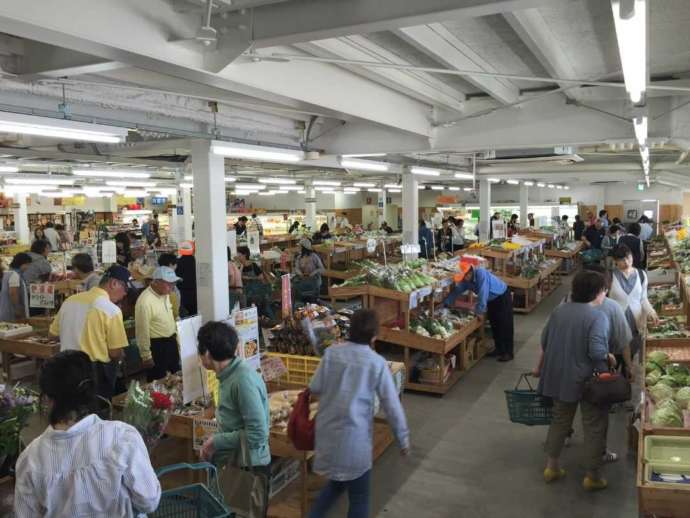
(242, 403)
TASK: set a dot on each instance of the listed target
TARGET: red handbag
(300, 427)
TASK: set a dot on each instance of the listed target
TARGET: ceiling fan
(205, 35)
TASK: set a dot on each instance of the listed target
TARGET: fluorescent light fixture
(349, 192)
(110, 173)
(325, 188)
(393, 186)
(528, 183)
(130, 183)
(464, 176)
(437, 187)
(540, 184)
(326, 191)
(453, 188)
(58, 193)
(8, 169)
(631, 33)
(186, 185)
(250, 152)
(640, 125)
(230, 179)
(188, 178)
(363, 184)
(136, 193)
(394, 191)
(467, 189)
(287, 188)
(163, 190)
(648, 201)
(374, 190)
(513, 182)
(301, 192)
(559, 187)
(60, 128)
(566, 187)
(363, 165)
(48, 180)
(551, 186)
(327, 183)
(250, 186)
(267, 193)
(364, 154)
(493, 180)
(277, 181)
(425, 171)
(421, 187)
(351, 189)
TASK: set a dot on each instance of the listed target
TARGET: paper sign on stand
(498, 228)
(202, 429)
(246, 323)
(42, 295)
(194, 378)
(108, 252)
(232, 243)
(254, 242)
(286, 297)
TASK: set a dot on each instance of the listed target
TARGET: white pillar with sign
(211, 254)
(174, 232)
(184, 210)
(382, 206)
(524, 194)
(310, 202)
(410, 207)
(484, 209)
(21, 220)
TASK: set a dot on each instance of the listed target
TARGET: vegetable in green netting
(667, 417)
(653, 377)
(661, 392)
(658, 357)
(682, 397)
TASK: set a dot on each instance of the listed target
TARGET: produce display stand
(550, 278)
(348, 293)
(20, 345)
(525, 296)
(571, 258)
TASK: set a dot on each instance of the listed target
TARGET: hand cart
(525, 406)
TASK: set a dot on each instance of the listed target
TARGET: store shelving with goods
(276, 223)
(569, 252)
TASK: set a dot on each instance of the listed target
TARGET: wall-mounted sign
(565, 201)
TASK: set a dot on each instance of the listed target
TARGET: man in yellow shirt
(155, 326)
(91, 322)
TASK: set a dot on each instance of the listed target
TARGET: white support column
(410, 207)
(310, 202)
(211, 258)
(382, 206)
(21, 220)
(524, 193)
(484, 209)
(173, 233)
(185, 229)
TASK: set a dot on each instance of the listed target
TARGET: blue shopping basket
(192, 501)
(525, 406)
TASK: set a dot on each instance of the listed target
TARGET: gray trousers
(595, 422)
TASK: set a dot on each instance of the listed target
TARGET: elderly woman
(629, 289)
(308, 268)
(14, 298)
(575, 344)
(81, 465)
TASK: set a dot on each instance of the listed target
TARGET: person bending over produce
(493, 298)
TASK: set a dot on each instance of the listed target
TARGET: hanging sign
(286, 295)
(246, 323)
(232, 242)
(498, 229)
(194, 376)
(108, 252)
(42, 295)
(254, 242)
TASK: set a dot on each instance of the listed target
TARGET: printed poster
(194, 377)
(498, 229)
(202, 429)
(254, 242)
(108, 252)
(42, 295)
(246, 323)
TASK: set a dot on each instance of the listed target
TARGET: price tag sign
(42, 296)
(202, 429)
(413, 300)
(286, 296)
(108, 252)
(272, 368)
(424, 292)
(371, 245)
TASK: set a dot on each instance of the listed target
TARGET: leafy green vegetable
(661, 392)
(660, 358)
(667, 380)
(653, 377)
(682, 397)
(667, 416)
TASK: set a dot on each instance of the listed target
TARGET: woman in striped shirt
(81, 465)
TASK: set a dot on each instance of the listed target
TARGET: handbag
(244, 491)
(300, 427)
(607, 388)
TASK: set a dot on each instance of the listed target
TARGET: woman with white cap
(308, 269)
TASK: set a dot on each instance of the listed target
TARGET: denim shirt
(347, 380)
(484, 284)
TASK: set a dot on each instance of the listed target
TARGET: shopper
(609, 243)
(646, 229)
(154, 237)
(256, 225)
(294, 228)
(594, 235)
(349, 377)
(458, 233)
(444, 237)
(256, 284)
(578, 228)
(493, 298)
(82, 266)
(124, 249)
(629, 290)
(308, 269)
(14, 296)
(170, 260)
(604, 217)
(66, 239)
(386, 228)
(235, 284)
(241, 226)
(52, 236)
(155, 326)
(513, 225)
(574, 345)
(186, 270)
(39, 235)
(565, 227)
(426, 241)
(495, 217)
(242, 403)
(530, 218)
(81, 465)
(343, 222)
(39, 270)
(634, 243)
(323, 234)
(91, 322)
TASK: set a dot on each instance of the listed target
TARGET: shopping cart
(192, 501)
(525, 406)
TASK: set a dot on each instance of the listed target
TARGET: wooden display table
(19, 345)
(571, 258)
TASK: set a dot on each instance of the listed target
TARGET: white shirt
(344, 222)
(646, 231)
(96, 468)
(14, 280)
(637, 300)
(53, 238)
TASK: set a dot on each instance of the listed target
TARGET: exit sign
(640, 187)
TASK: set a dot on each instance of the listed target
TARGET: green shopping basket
(525, 406)
(194, 500)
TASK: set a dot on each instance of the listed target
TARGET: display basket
(192, 501)
(525, 406)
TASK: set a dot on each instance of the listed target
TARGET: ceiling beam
(42, 60)
(439, 43)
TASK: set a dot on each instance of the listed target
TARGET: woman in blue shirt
(349, 377)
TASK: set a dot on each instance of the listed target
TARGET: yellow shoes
(593, 485)
(551, 475)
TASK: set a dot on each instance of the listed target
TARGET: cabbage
(667, 417)
(661, 392)
(669, 404)
(653, 377)
(667, 380)
(682, 397)
(658, 357)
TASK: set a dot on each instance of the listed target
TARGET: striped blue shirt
(96, 468)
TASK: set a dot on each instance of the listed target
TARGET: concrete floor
(468, 460)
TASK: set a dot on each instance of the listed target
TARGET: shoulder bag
(244, 490)
(300, 427)
(607, 388)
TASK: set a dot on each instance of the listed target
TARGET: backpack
(300, 427)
